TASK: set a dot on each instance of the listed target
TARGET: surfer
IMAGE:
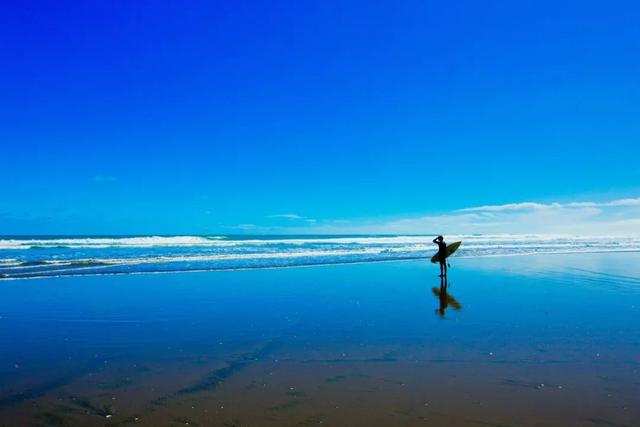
(442, 254)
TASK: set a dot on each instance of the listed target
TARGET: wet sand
(531, 341)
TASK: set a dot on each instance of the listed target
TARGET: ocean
(23, 257)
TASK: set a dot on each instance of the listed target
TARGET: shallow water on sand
(515, 341)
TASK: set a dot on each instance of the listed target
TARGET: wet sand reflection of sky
(512, 342)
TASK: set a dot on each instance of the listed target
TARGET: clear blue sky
(199, 117)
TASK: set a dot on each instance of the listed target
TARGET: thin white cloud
(505, 207)
(527, 206)
(619, 217)
(612, 203)
(290, 216)
(245, 227)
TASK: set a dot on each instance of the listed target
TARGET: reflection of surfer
(445, 299)
(442, 254)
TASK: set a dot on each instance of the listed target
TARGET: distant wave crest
(100, 242)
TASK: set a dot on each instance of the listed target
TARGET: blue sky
(221, 117)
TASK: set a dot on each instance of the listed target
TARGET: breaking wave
(73, 256)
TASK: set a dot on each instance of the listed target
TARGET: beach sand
(538, 340)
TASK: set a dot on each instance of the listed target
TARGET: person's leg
(444, 265)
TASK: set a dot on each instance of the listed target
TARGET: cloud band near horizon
(616, 217)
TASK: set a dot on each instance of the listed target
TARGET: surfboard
(450, 250)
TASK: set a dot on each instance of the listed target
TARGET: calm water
(534, 340)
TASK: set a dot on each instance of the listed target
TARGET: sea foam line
(222, 241)
(44, 275)
(110, 262)
(47, 273)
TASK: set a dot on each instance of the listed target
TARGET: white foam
(93, 254)
(139, 242)
(219, 257)
(216, 241)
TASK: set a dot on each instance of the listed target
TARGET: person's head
(439, 238)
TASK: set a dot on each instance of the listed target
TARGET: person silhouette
(444, 298)
(442, 254)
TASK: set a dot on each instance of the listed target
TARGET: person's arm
(435, 240)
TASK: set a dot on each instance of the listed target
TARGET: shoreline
(356, 345)
(307, 265)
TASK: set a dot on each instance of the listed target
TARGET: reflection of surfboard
(450, 250)
(449, 299)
